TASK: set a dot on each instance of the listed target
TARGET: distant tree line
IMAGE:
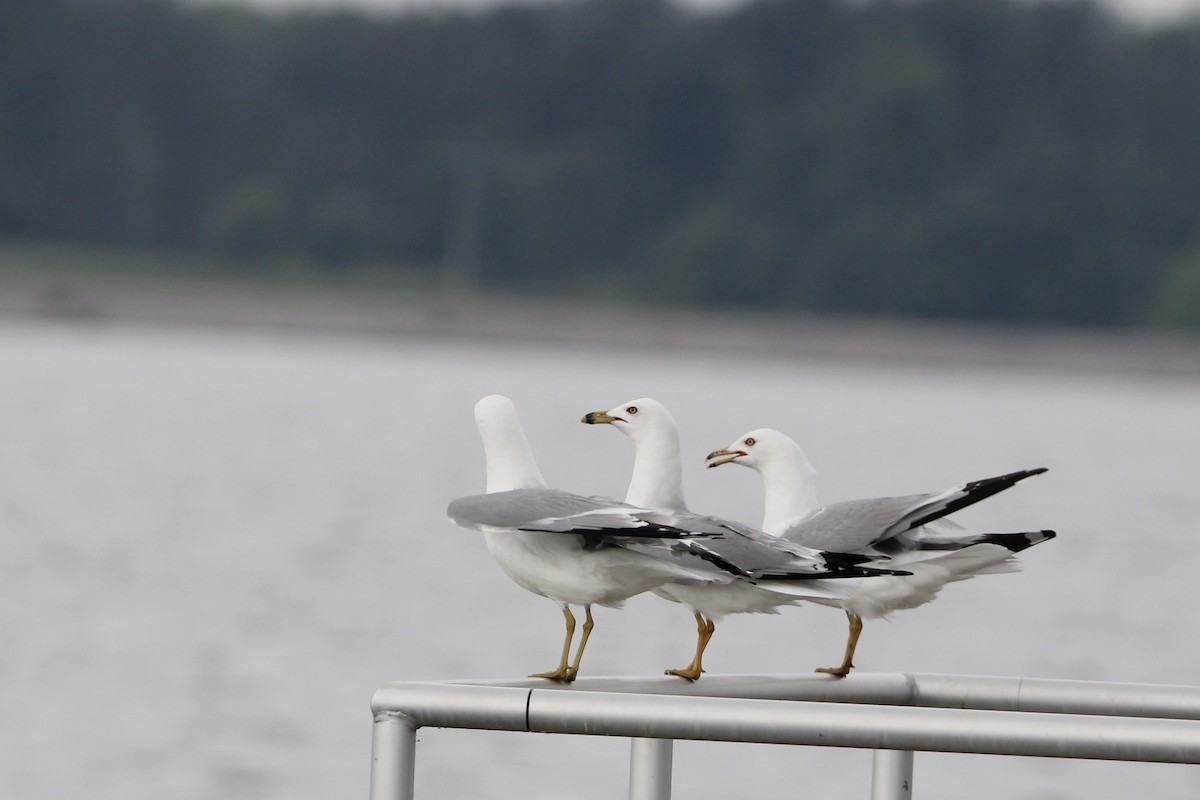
(980, 159)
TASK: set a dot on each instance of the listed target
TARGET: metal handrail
(893, 713)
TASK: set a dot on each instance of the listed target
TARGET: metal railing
(894, 714)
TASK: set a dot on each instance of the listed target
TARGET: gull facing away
(582, 551)
(891, 527)
(555, 544)
(657, 483)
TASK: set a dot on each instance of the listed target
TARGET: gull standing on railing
(657, 483)
(569, 548)
(583, 551)
(892, 527)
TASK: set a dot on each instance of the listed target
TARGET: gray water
(216, 545)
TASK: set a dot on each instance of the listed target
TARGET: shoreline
(389, 312)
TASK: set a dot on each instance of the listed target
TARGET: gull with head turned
(586, 551)
(782, 573)
(893, 528)
(572, 549)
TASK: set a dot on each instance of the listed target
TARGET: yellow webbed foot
(565, 675)
(691, 673)
(837, 672)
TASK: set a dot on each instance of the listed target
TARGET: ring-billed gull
(582, 551)
(657, 483)
(553, 543)
(885, 526)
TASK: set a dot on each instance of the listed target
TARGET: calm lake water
(216, 545)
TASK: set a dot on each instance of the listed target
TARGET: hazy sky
(1146, 11)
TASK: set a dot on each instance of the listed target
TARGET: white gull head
(510, 463)
(657, 480)
(789, 478)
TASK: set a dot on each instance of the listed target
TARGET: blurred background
(258, 260)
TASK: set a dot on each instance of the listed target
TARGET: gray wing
(892, 524)
(730, 547)
(854, 525)
(751, 553)
(550, 510)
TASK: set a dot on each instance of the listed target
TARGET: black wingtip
(978, 490)
(1002, 482)
(842, 560)
(650, 530)
(1016, 542)
(717, 559)
(834, 573)
(868, 572)
(851, 565)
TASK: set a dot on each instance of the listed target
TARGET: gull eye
(750, 441)
(631, 410)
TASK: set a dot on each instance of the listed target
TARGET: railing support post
(650, 769)
(891, 775)
(393, 757)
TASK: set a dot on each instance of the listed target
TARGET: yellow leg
(851, 645)
(573, 671)
(704, 633)
(563, 670)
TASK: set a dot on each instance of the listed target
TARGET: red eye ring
(632, 410)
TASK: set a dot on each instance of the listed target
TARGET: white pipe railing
(650, 769)
(894, 714)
